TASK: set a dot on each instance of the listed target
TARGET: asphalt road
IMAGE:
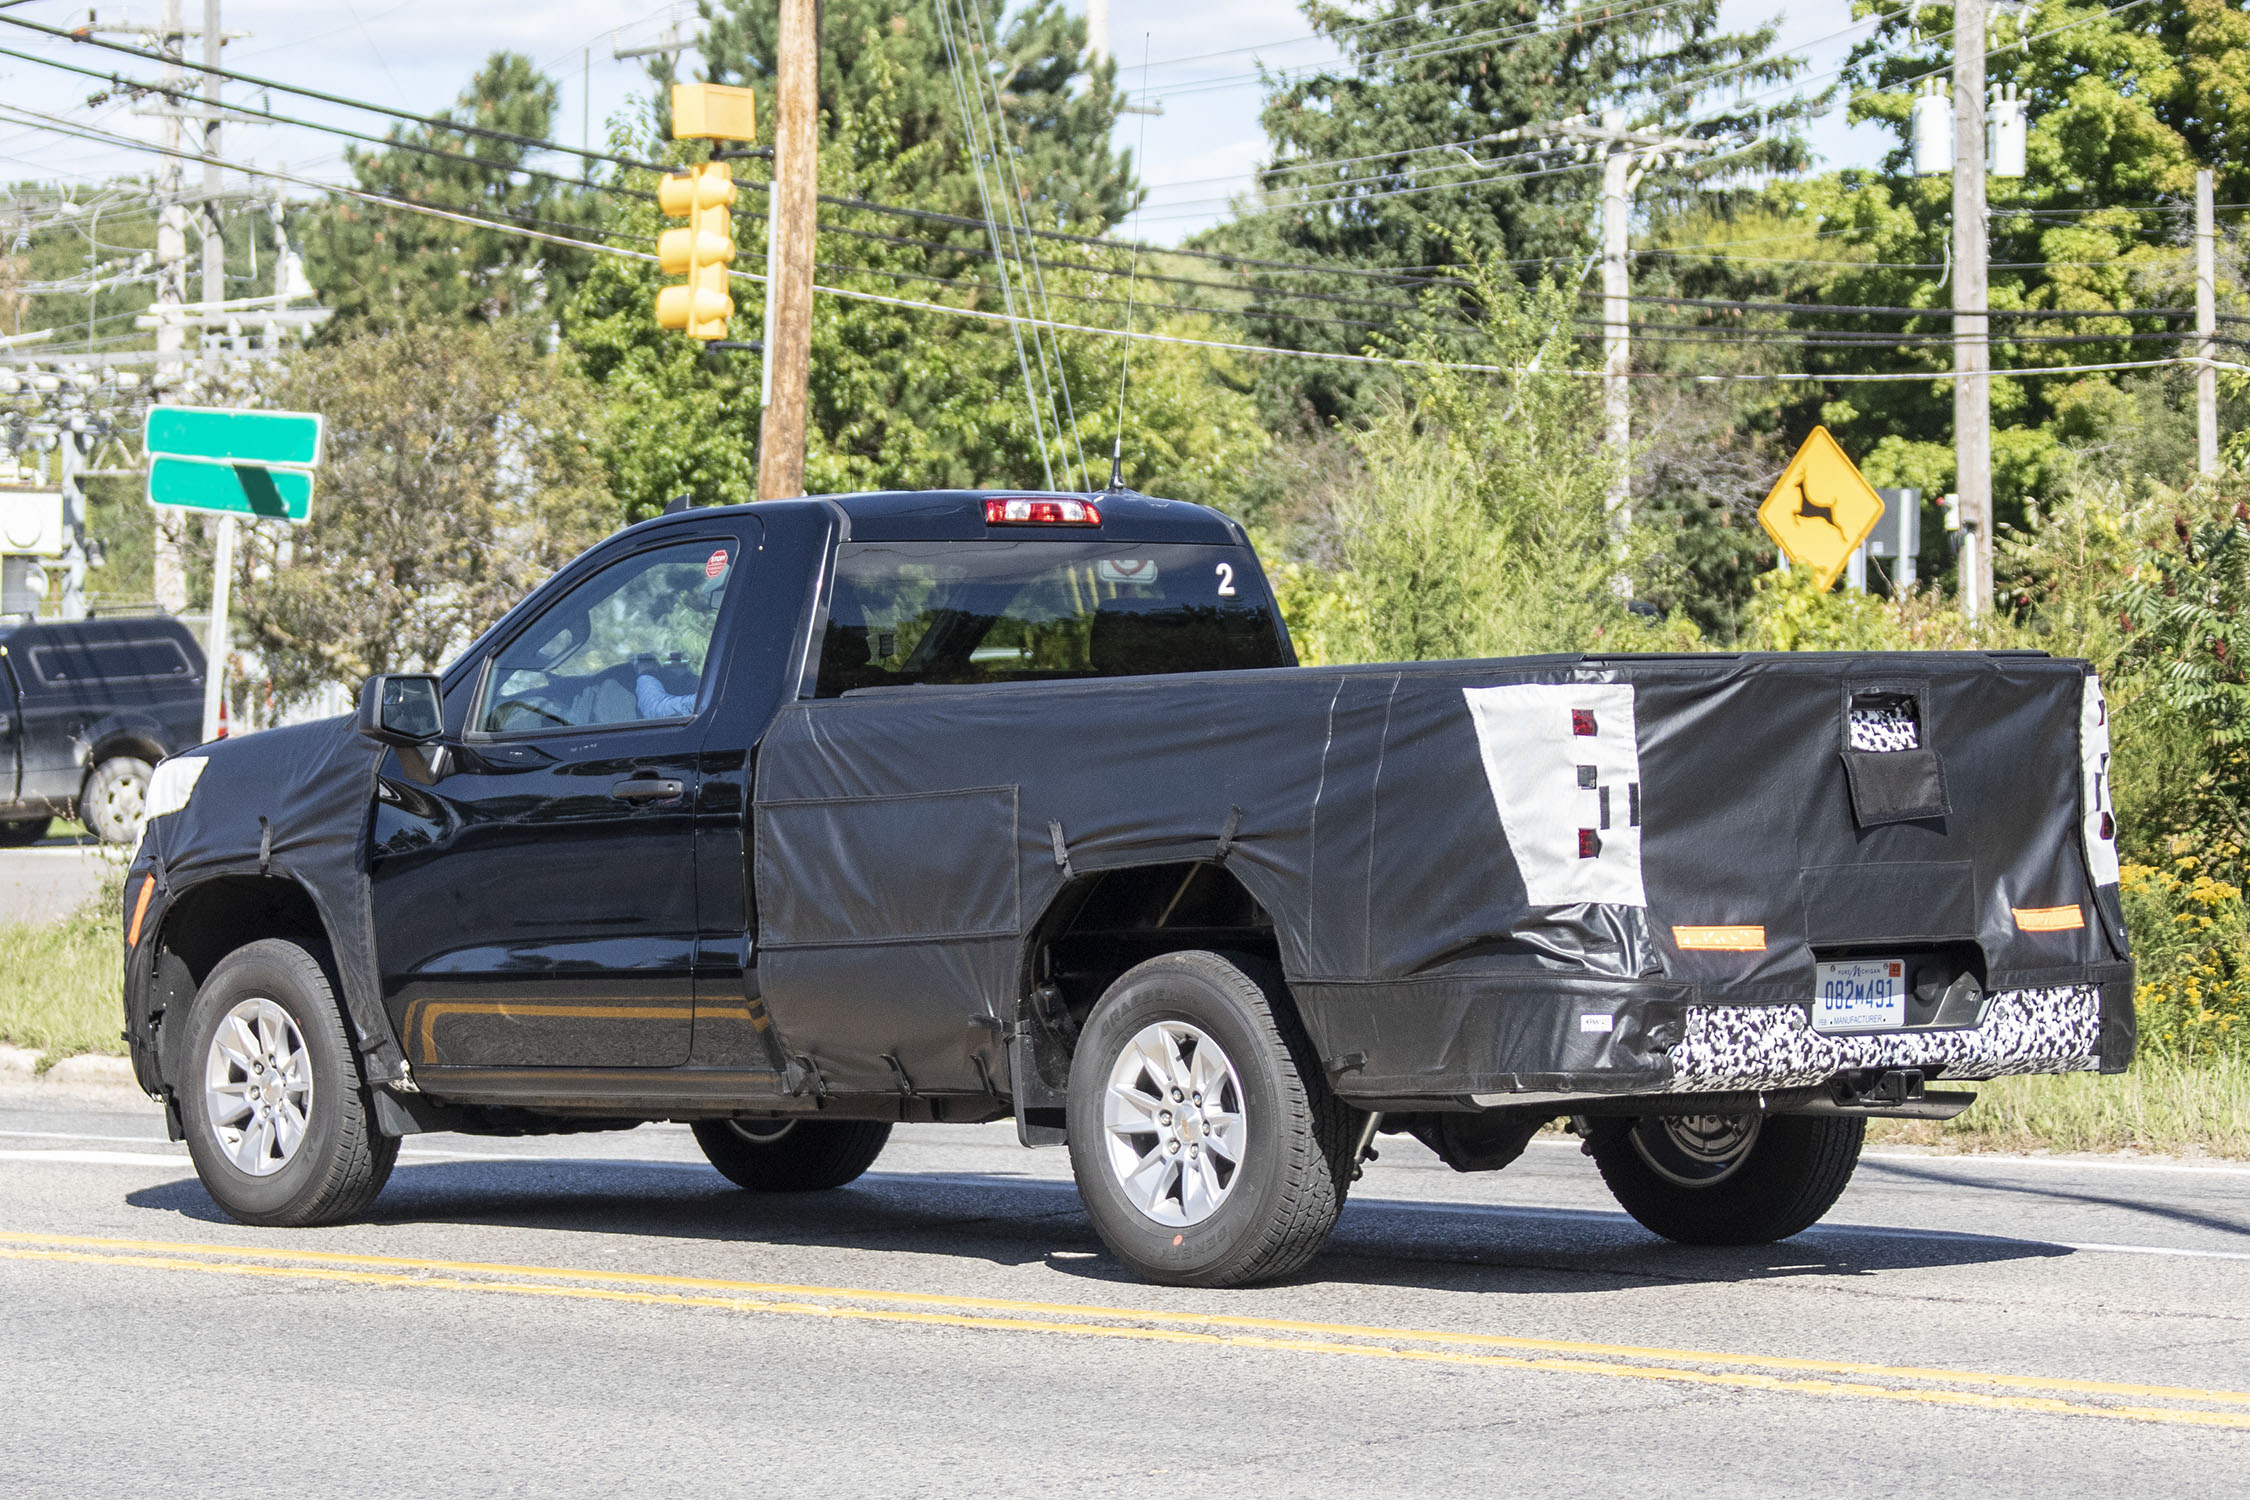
(603, 1315)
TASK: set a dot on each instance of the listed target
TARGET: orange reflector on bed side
(2050, 918)
(1721, 939)
(140, 910)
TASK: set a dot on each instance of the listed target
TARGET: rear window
(976, 612)
(155, 657)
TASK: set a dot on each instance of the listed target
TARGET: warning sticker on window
(1126, 570)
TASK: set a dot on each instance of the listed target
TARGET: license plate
(1865, 994)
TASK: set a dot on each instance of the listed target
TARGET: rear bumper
(1494, 1040)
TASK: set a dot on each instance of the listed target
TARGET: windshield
(972, 612)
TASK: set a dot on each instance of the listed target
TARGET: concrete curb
(20, 1065)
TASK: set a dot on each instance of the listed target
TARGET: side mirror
(401, 709)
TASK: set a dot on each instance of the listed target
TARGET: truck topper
(800, 819)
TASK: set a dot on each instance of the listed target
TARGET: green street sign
(289, 438)
(231, 489)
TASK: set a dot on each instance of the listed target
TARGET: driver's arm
(655, 703)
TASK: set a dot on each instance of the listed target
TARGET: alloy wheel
(258, 1086)
(1174, 1127)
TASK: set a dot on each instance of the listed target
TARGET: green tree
(460, 470)
(1059, 105)
(905, 396)
(1388, 159)
(2124, 108)
(1476, 522)
(373, 262)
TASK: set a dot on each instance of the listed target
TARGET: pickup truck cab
(87, 709)
(800, 819)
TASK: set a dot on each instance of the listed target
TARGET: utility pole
(1972, 349)
(792, 232)
(171, 291)
(2206, 327)
(1618, 179)
(1627, 155)
(216, 645)
(74, 526)
(214, 240)
(1097, 32)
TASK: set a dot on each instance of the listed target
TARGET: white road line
(1983, 1159)
(100, 1158)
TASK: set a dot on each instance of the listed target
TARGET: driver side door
(536, 893)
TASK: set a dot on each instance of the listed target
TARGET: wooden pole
(2206, 327)
(1972, 352)
(796, 186)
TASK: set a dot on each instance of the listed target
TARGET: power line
(867, 205)
(111, 138)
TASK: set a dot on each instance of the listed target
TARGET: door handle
(648, 789)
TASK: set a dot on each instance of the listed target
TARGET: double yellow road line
(2113, 1400)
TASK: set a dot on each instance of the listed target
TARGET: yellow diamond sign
(1821, 508)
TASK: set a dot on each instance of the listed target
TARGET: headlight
(172, 784)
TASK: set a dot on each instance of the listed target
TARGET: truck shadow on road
(1024, 1221)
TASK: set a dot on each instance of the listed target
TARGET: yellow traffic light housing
(713, 112)
(702, 251)
(704, 196)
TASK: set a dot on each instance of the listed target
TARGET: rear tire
(116, 799)
(281, 1131)
(1208, 1148)
(23, 832)
(791, 1156)
(1678, 1177)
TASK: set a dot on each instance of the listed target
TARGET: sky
(417, 54)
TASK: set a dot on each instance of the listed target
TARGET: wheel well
(112, 746)
(209, 921)
(1102, 923)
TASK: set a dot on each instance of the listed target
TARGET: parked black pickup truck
(87, 707)
(800, 819)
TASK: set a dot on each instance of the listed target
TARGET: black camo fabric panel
(1365, 823)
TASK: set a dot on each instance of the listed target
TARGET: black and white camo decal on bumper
(1750, 1048)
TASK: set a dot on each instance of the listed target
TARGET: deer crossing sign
(1820, 508)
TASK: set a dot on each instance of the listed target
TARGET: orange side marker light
(1721, 939)
(2050, 918)
(140, 910)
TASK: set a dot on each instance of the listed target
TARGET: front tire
(791, 1156)
(1207, 1146)
(279, 1127)
(1728, 1179)
(116, 799)
(22, 833)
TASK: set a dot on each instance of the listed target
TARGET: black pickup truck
(800, 819)
(87, 708)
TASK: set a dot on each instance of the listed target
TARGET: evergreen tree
(1059, 105)
(371, 262)
(1387, 159)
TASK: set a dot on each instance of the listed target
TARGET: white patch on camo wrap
(1748, 1048)
(1564, 764)
(1882, 728)
(2093, 751)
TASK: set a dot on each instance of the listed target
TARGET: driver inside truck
(649, 693)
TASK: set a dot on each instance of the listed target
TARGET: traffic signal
(703, 195)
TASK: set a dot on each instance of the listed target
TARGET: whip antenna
(1132, 285)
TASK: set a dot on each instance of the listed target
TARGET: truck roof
(958, 515)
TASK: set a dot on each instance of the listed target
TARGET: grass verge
(61, 983)
(2165, 1104)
